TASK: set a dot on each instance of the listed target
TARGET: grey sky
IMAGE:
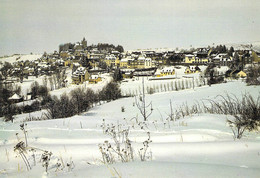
(41, 25)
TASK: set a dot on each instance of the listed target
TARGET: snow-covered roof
(76, 64)
(110, 57)
(226, 59)
(158, 71)
(127, 70)
(44, 65)
(15, 97)
(94, 77)
(193, 67)
(80, 71)
(168, 69)
(189, 55)
(116, 52)
(220, 56)
(148, 52)
(222, 69)
(96, 68)
(141, 58)
(60, 61)
(124, 60)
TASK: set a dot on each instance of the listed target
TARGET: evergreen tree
(117, 75)
(231, 50)
(236, 58)
(120, 48)
(224, 49)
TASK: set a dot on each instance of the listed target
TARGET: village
(70, 111)
(87, 64)
(129, 89)
(31, 82)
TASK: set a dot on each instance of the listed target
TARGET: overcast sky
(41, 25)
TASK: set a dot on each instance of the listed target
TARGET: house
(201, 60)
(222, 70)
(15, 98)
(80, 75)
(78, 46)
(78, 54)
(95, 56)
(110, 60)
(60, 62)
(94, 79)
(245, 56)
(67, 63)
(158, 73)
(222, 59)
(64, 54)
(234, 73)
(75, 64)
(165, 72)
(189, 58)
(141, 63)
(127, 73)
(168, 54)
(188, 71)
(256, 57)
(124, 63)
(226, 61)
(241, 74)
(192, 69)
(115, 53)
(28, 70)
(93, 64)
(148, 63)
(44, 66)
(132, 64)
(202, 56)
(149, 53)
(203, 52)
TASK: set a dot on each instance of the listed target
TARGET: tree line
(80, 100)
(77, 101)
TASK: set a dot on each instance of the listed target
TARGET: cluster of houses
(89, 62)
(81, 74)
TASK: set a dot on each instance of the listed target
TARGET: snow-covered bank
(195, 146)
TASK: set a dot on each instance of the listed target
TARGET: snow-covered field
(195, 146)
(21, 57)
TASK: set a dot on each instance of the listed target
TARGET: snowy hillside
(237, 46)
(22, 57)
(195, 146)
(245, 46)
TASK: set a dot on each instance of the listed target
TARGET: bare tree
(51, 83)
(171, 115)
(78, 100)
(55, 81)
(145, 110)
(66, 107)
(60, 77)
(91, 96)
(45, 81)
